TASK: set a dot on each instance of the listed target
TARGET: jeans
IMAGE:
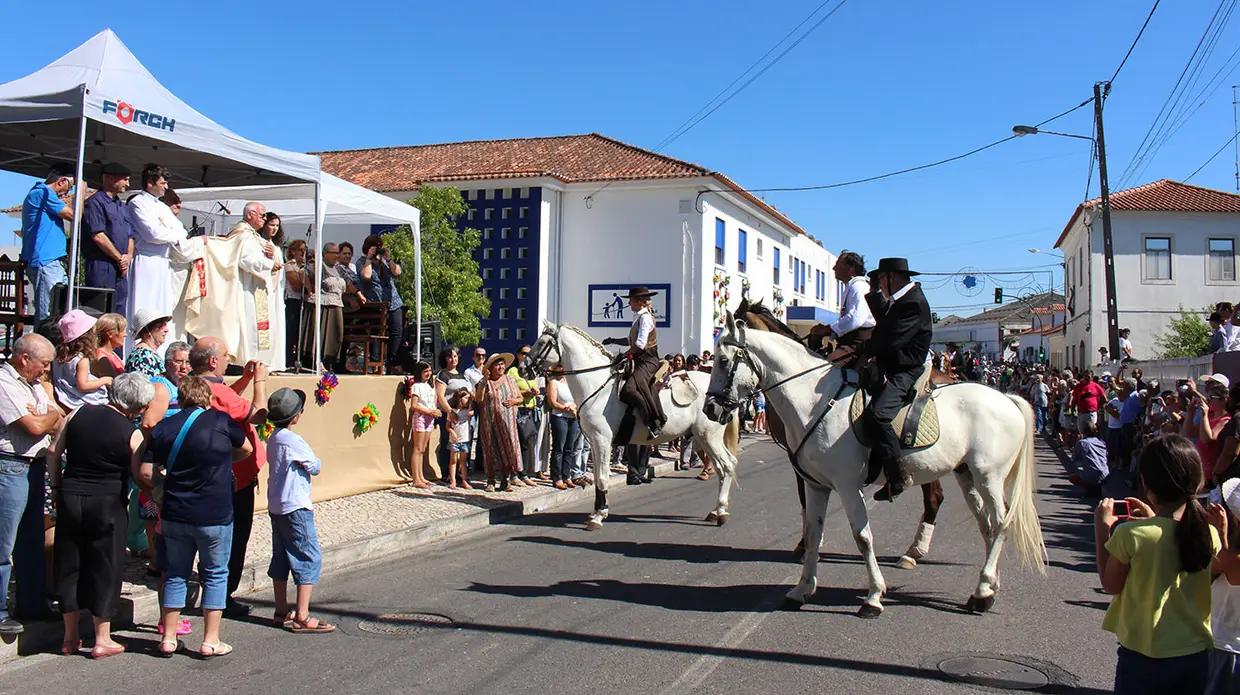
(213, 545)
(581, 460)
(43, 279)
(1039, 418)
(295, 548)
(565, 444)
(13, 492)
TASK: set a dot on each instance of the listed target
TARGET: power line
(1211, 159)
(909, 170)
(1134, 41)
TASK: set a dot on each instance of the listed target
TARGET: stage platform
(353, 463)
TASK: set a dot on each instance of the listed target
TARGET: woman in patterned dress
(497, 398)
(151, 327)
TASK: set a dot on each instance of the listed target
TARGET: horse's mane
(757, 316)
(603, 350)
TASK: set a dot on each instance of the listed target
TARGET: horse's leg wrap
(921, 542)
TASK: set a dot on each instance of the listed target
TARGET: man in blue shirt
(107, 238)
(43, 236)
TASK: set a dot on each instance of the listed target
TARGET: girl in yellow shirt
(1158, 568)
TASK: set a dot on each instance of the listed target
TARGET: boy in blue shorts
(294, 541)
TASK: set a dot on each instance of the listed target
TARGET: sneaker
(9, 627)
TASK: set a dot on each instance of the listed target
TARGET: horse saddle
(684, 391)
(917, 422)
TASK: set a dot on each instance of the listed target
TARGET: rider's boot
(897, 480)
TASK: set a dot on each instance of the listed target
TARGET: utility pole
(1108, 251)
(1235, 121)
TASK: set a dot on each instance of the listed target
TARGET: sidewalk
(352, 530)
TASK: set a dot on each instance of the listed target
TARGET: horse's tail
(1021, 522)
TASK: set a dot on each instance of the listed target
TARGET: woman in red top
(1210, 416)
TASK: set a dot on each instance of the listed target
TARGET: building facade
(1174, 246)
(568, 224)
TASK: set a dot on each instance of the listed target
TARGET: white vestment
(262, 299)
(156, 232)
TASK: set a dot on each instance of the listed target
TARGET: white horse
(986, 439)
(595, 388)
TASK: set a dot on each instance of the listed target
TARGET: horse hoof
(713, 516)
(979, 605)
(867, 611)
(906, 563)
(593, 524)
(791, 604)
(603, 514)
(721, 519)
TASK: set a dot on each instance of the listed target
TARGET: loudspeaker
(96, 301)
(432, 340)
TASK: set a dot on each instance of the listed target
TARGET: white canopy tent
(342, 203)
(97, 104)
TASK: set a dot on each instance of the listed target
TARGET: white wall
(1147, 306)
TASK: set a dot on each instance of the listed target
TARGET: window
(486, 254)
(470, 215)
(522, 232)
(520, 273)
(523, 252)
(486, 292)
(742, 249)
(524, 212)
(503, 292)
(520, 314)
(505, 232)
(497, 194)
(1222, 260)
(503, 273)
(520, 334)
(1157, 258)
(486, 334)
(503, 214)
(486, 234)
(504, 253)
(503, 334)
(486, 214)
(721, 235)
(759, 248)
(486, 273)
(503, 314)
(775, 273)
(521, 293)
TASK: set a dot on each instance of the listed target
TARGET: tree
(451, 284)
(1188, 336)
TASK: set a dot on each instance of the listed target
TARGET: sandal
(210, 651)
(489, 488)
(703, 476)
(164, 652)
(310, 625)
(100, 652)
(277, 621)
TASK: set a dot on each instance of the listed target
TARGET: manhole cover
(995, 673)
(404, 623)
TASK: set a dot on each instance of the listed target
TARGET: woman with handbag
(497, 397)
(196, 449)
(99, 443)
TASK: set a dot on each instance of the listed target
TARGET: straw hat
(505, 357)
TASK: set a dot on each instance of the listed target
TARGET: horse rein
(545, 352)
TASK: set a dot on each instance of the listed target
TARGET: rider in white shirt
(856, 321)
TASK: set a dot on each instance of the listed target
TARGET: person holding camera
(1208, 416)
(378, 273)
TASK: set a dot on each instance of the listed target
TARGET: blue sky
(882, 85)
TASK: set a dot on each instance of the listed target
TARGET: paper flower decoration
(365, 418)
(265, 430)
(327, 384)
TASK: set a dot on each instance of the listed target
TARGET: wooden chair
(368, 326)
(13, 307)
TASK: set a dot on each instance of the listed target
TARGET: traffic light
(1041, 354)
(998, 295)
(934, 317)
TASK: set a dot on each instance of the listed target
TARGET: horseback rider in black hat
(899, 346)
(643, 350)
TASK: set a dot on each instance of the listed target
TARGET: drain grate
(995, 673)
(404, 624)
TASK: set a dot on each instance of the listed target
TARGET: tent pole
(318, 273)
(78, 203)
(417, 293)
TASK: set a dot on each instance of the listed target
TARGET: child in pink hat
(71, 376)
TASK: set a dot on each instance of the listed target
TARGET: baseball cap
(1217, 378)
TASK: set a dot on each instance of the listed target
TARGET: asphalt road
(658, 602)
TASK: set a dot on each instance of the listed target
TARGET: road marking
(706, 664)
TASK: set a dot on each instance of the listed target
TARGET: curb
(142, 606)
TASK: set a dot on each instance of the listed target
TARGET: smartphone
(1122, 509)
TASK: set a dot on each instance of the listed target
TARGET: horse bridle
(554, 344)
(729, 404)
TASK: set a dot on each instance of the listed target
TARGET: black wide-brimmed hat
(893, 265)
(639, 292)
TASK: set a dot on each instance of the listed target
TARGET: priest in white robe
(262, 290)
(157, 233)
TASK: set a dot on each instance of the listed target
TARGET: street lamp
(1101, 90)
(1047, 253)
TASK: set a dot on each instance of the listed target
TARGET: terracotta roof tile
(591, 158)
(1163, 195)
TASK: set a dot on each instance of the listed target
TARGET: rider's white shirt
(856, 312)
(645, 324)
